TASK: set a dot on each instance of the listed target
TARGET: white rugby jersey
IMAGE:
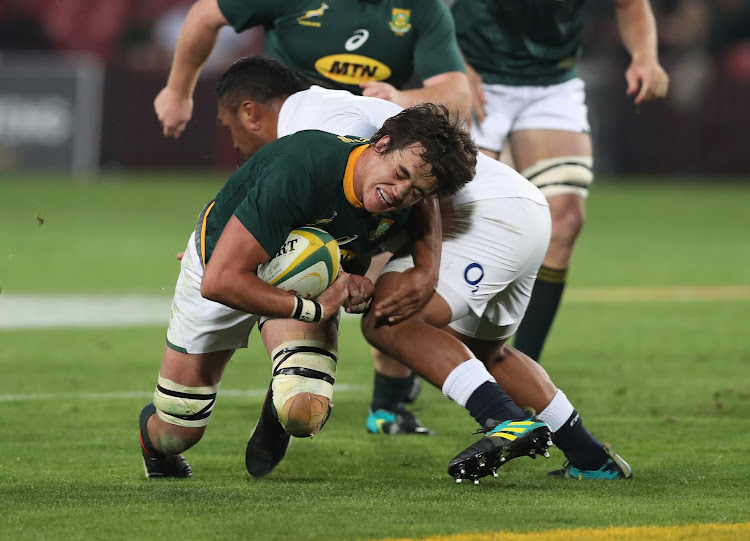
(343, 113)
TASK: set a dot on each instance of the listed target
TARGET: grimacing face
(246, 141)
(395, 180)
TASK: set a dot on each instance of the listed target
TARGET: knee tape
(555, 176)
(303, 375)
(184, 406)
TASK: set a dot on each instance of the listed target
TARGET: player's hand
(335, 295)
(478, 99)
(173, 111)
(413, 294)
(646, 80)
(361, 290)
(384, 91)
(180, 255)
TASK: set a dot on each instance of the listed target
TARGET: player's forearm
(451, 89)
(425, 232)
(246, 292)
(637, 26)
(194, 45)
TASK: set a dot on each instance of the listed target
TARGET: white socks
(465, 379)
(557, 412)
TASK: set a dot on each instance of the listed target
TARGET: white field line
(65, 311)
(118, 395)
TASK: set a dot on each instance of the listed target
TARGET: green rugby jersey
(520, 42)
(301, 179)
(341, 43)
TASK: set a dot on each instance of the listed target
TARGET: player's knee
(304, 414)
(184, 406)
(567, 225)
(304, 372)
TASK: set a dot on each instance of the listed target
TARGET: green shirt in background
(520, 42)
(340, 43)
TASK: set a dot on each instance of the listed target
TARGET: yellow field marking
(674, 293)
(704, 532)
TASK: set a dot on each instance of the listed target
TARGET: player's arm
(174, 104)
(417, 284)
(451, 89)
(229, 278)
(645, 77)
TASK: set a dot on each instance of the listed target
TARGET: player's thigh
(531, 146)
(198, 325)
(436, 312)
(194, 370)
(276, 332)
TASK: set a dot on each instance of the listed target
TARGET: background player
(521, 57)
(362, 46)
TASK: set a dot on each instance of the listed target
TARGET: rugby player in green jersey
(355, 189)
(521, 59)
(370, 47)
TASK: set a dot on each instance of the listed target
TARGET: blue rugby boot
(614, 468)
(396, 421)
(504, 442)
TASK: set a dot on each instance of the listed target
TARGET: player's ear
(382, 144)
(250, 114)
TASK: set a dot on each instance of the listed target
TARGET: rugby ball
(306, 264)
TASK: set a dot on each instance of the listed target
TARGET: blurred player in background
(365, 46)
(521, 59)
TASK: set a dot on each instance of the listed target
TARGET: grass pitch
(662, 372)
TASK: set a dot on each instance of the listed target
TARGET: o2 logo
(473, 274)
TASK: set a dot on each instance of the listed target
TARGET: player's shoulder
(318, 150)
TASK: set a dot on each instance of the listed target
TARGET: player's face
(396, 180)
(247, 142)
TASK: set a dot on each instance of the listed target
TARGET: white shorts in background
(513, 108)
(198, 325)
(489, 266)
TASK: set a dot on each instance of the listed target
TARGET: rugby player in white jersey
(496, 233)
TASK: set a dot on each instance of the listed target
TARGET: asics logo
(357, 40)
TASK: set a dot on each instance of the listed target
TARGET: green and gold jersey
(302, 179)
(520, 42)
(341, 43)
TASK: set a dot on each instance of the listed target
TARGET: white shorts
(513, 108)
(198, 325)
(488, 268)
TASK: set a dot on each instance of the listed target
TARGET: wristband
(307, 310)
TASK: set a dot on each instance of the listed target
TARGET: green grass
(667, 382)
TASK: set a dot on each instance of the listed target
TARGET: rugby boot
(504, 442)
(396, 421)
(614, 468)
(268, 442)
(159, 466)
